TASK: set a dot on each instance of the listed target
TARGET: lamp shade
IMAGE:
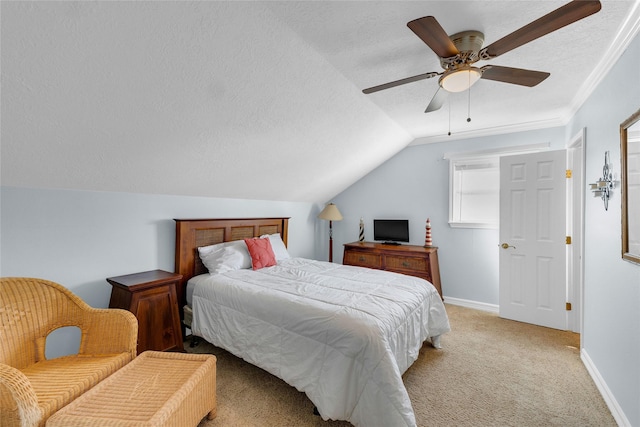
(330, 213)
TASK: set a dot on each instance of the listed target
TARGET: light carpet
(490, 372)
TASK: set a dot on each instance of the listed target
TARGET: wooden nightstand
(151, 297)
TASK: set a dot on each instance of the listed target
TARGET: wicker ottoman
(155, 389)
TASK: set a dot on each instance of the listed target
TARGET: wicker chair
(33, 387)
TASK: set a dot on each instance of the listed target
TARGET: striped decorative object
(361, 235)
(427, 237)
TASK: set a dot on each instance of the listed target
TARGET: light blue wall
(415, 185)
(611, 335)
(79, 238)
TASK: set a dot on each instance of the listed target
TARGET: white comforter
(344, 335)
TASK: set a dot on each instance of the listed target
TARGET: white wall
(79, 238)
(414, 185)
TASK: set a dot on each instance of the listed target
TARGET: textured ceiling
(262, 100)
(372, 45)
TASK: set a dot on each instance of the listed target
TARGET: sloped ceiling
(261, 100)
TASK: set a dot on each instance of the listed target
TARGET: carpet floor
(490, 372)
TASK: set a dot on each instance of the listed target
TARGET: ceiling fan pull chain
(469, 101)
(449, 133)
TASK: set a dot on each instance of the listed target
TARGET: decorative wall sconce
(605, 184)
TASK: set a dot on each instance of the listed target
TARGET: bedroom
(106, 209)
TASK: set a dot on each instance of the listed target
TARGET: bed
(344, 335)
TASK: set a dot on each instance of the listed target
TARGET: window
(474, 184)
(475, 196)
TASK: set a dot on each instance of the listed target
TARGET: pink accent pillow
(261, 253)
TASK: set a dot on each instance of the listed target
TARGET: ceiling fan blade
(400, 82)
(516, 76)
(565, 15)
(430, 32)
(436, 101)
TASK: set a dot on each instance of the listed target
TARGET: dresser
(151, 297)
(413, 260)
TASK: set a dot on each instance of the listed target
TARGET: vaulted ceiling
(263, 100)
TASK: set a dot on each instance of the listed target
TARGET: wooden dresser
(407, 259)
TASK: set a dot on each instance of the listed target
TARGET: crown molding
(496, 130)
(628, 31)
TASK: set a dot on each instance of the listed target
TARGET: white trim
(483, 306)
(604, 390)
(575, 265)
(621, 41)
(459, 224)
(492, 131)
(502, 151)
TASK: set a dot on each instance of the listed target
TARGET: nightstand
(151, 297)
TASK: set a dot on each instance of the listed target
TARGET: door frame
(576, 161)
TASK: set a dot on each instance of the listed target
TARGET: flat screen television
(391, 230)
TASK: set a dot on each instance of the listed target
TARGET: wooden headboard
(193, 233)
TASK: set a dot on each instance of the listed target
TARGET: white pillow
(225, 256)
(279, 249)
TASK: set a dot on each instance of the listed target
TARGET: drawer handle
(361, 259)
(406, 264)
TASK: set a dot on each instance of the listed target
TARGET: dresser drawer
(418, 264)
(363, 259)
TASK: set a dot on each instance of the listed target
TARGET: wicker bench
(155, 389)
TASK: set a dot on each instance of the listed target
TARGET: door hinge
(568, 306)
(568, 240)
(569, 173)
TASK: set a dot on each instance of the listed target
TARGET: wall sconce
(606, 184)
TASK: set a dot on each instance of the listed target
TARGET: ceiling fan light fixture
(460, 80)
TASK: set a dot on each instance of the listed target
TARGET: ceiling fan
(460, 51)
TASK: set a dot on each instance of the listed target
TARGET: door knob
(506, 246)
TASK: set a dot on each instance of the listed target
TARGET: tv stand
(407, 259)
(392, 243)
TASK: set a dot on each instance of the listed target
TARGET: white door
(533, 279)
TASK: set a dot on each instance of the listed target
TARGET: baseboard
(609, 399)
(493, 308)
